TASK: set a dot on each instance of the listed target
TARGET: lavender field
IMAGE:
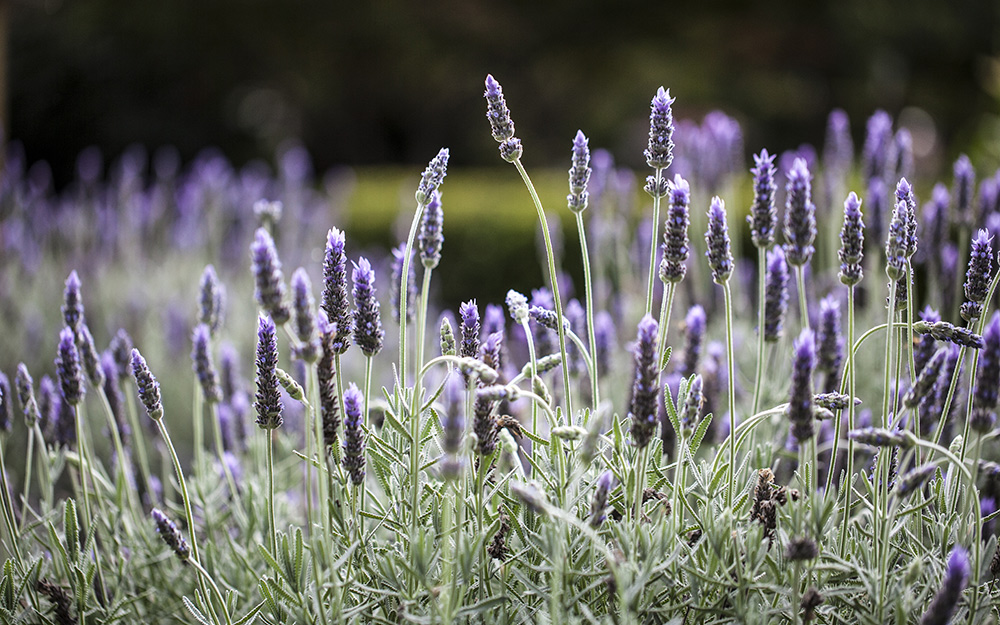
(733, 387)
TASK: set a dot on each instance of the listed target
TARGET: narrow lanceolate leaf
(195, 612)
(666, 358)
(671, 411)
(72, 529)
(699, 434)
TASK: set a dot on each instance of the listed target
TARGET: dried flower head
(801, 548)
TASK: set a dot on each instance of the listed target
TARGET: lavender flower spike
(149, 388)
(89, 356)
(68, 368)
(643, 405)
(171, 535)
(269, 281)
(599, 503)
(984, 399)
(469, 347)
(431, 235)
(26, 395)
(6, 404)
(326, 376)
(904, 193)
(895, 245)
(944, 331)
(335, 289)
(267, 400)
(830, 341)
(501, 124)
(720, 256)
(763, 217)
(354, 438)
(800, 403)
(977, 278)
(211, 299)
(800, 215)
(956, 577)
(965, 183)
(579, 174)
(852, 241)
(694, 337)
(368, 333)
(775, 295)
(659, 153)
(432, 177)
(676, 246)
(72, 308)
(453, 427)
(208, 378)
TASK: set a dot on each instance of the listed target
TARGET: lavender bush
(521, 461)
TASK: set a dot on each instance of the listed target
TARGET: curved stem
(588, 289)
(554, 281)
(403, 290)
(215, 589)
(761, 297)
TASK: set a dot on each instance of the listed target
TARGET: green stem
(589, 297)
(800, 281)
(403, 291)
(554, 282)
(534, 369)
(653, 242)
(761, 297)
(139, 443)
(84, 460)
(213, 408)
(203, 574)
(367, 421)
(880, 476)
(665, 308)
(849, 480)
(123, 473)
(271, 526)
(732, 393)
(29, 460)
(8, 511)
(198, 426)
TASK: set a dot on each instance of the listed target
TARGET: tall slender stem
(665, 308)
(271, 526)
(588, 289)
(849, 480)
(29, 459)
(800, 281)
(658, 175)
(761, 297)
(8, 510)
(732, 393)
(554, 281)
(403, 291)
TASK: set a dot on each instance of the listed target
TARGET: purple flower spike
(878, 208)
(895, 245)
(6, 404)
(965, 185)
(579, 174)
(68, 368)
(148, 387)
(902, 154)
(977, 278)
(956, 578)
(368, 333)
(659, 152)
(694, 338)
(852, 241)
(800, 402)
(599, 504)
(432, 177)
(501, 124)
(878, 141)
(775, 295)
(26, 395)
(838, 147)
(203, 367)
(72, 308)
(88, 356)
(763, 217)
(984, 400)
(604, 340)
(643, 405)
(121, 349)
(800, 215)
(469, 347)
(304, 305)
(830, 342)
(354, 437)
(326, 376)
(904, 193)
(171, 535)
(335, 290)
(268, 398)
(269, 281)
(431, 236)
(675, 234)
(211, 299)
(720, 256)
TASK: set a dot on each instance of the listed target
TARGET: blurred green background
(391, 81)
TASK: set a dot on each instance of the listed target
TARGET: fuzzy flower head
(368, 332)
(121, 350)
(878, 140)
(956, 578)
(964, 189)
(800, 402)
(171, 535)
(904, 193)
(89, 357)
(430, 239)
(211, 299)
(800, 214)
(267, 400)
(354, 441)
(72, 308)
(579, 174)
(830, 341)
(643, 405)
(501, 124)
(335, 289)
(987, 388)
(26, 395)
(148, 387)
(977, 278)
(599, 502)
(720, 256)
(268, 279)
(208, 378)
(852, 241)
(304, 305)
(676, 246)
(895, 245)
(432, 177)
(763, 217)
(517, 304)
(659, 153)
(69, 369)
(694, 338)
(775, 295)
(838, 147)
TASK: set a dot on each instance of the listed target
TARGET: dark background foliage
(393, 80)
